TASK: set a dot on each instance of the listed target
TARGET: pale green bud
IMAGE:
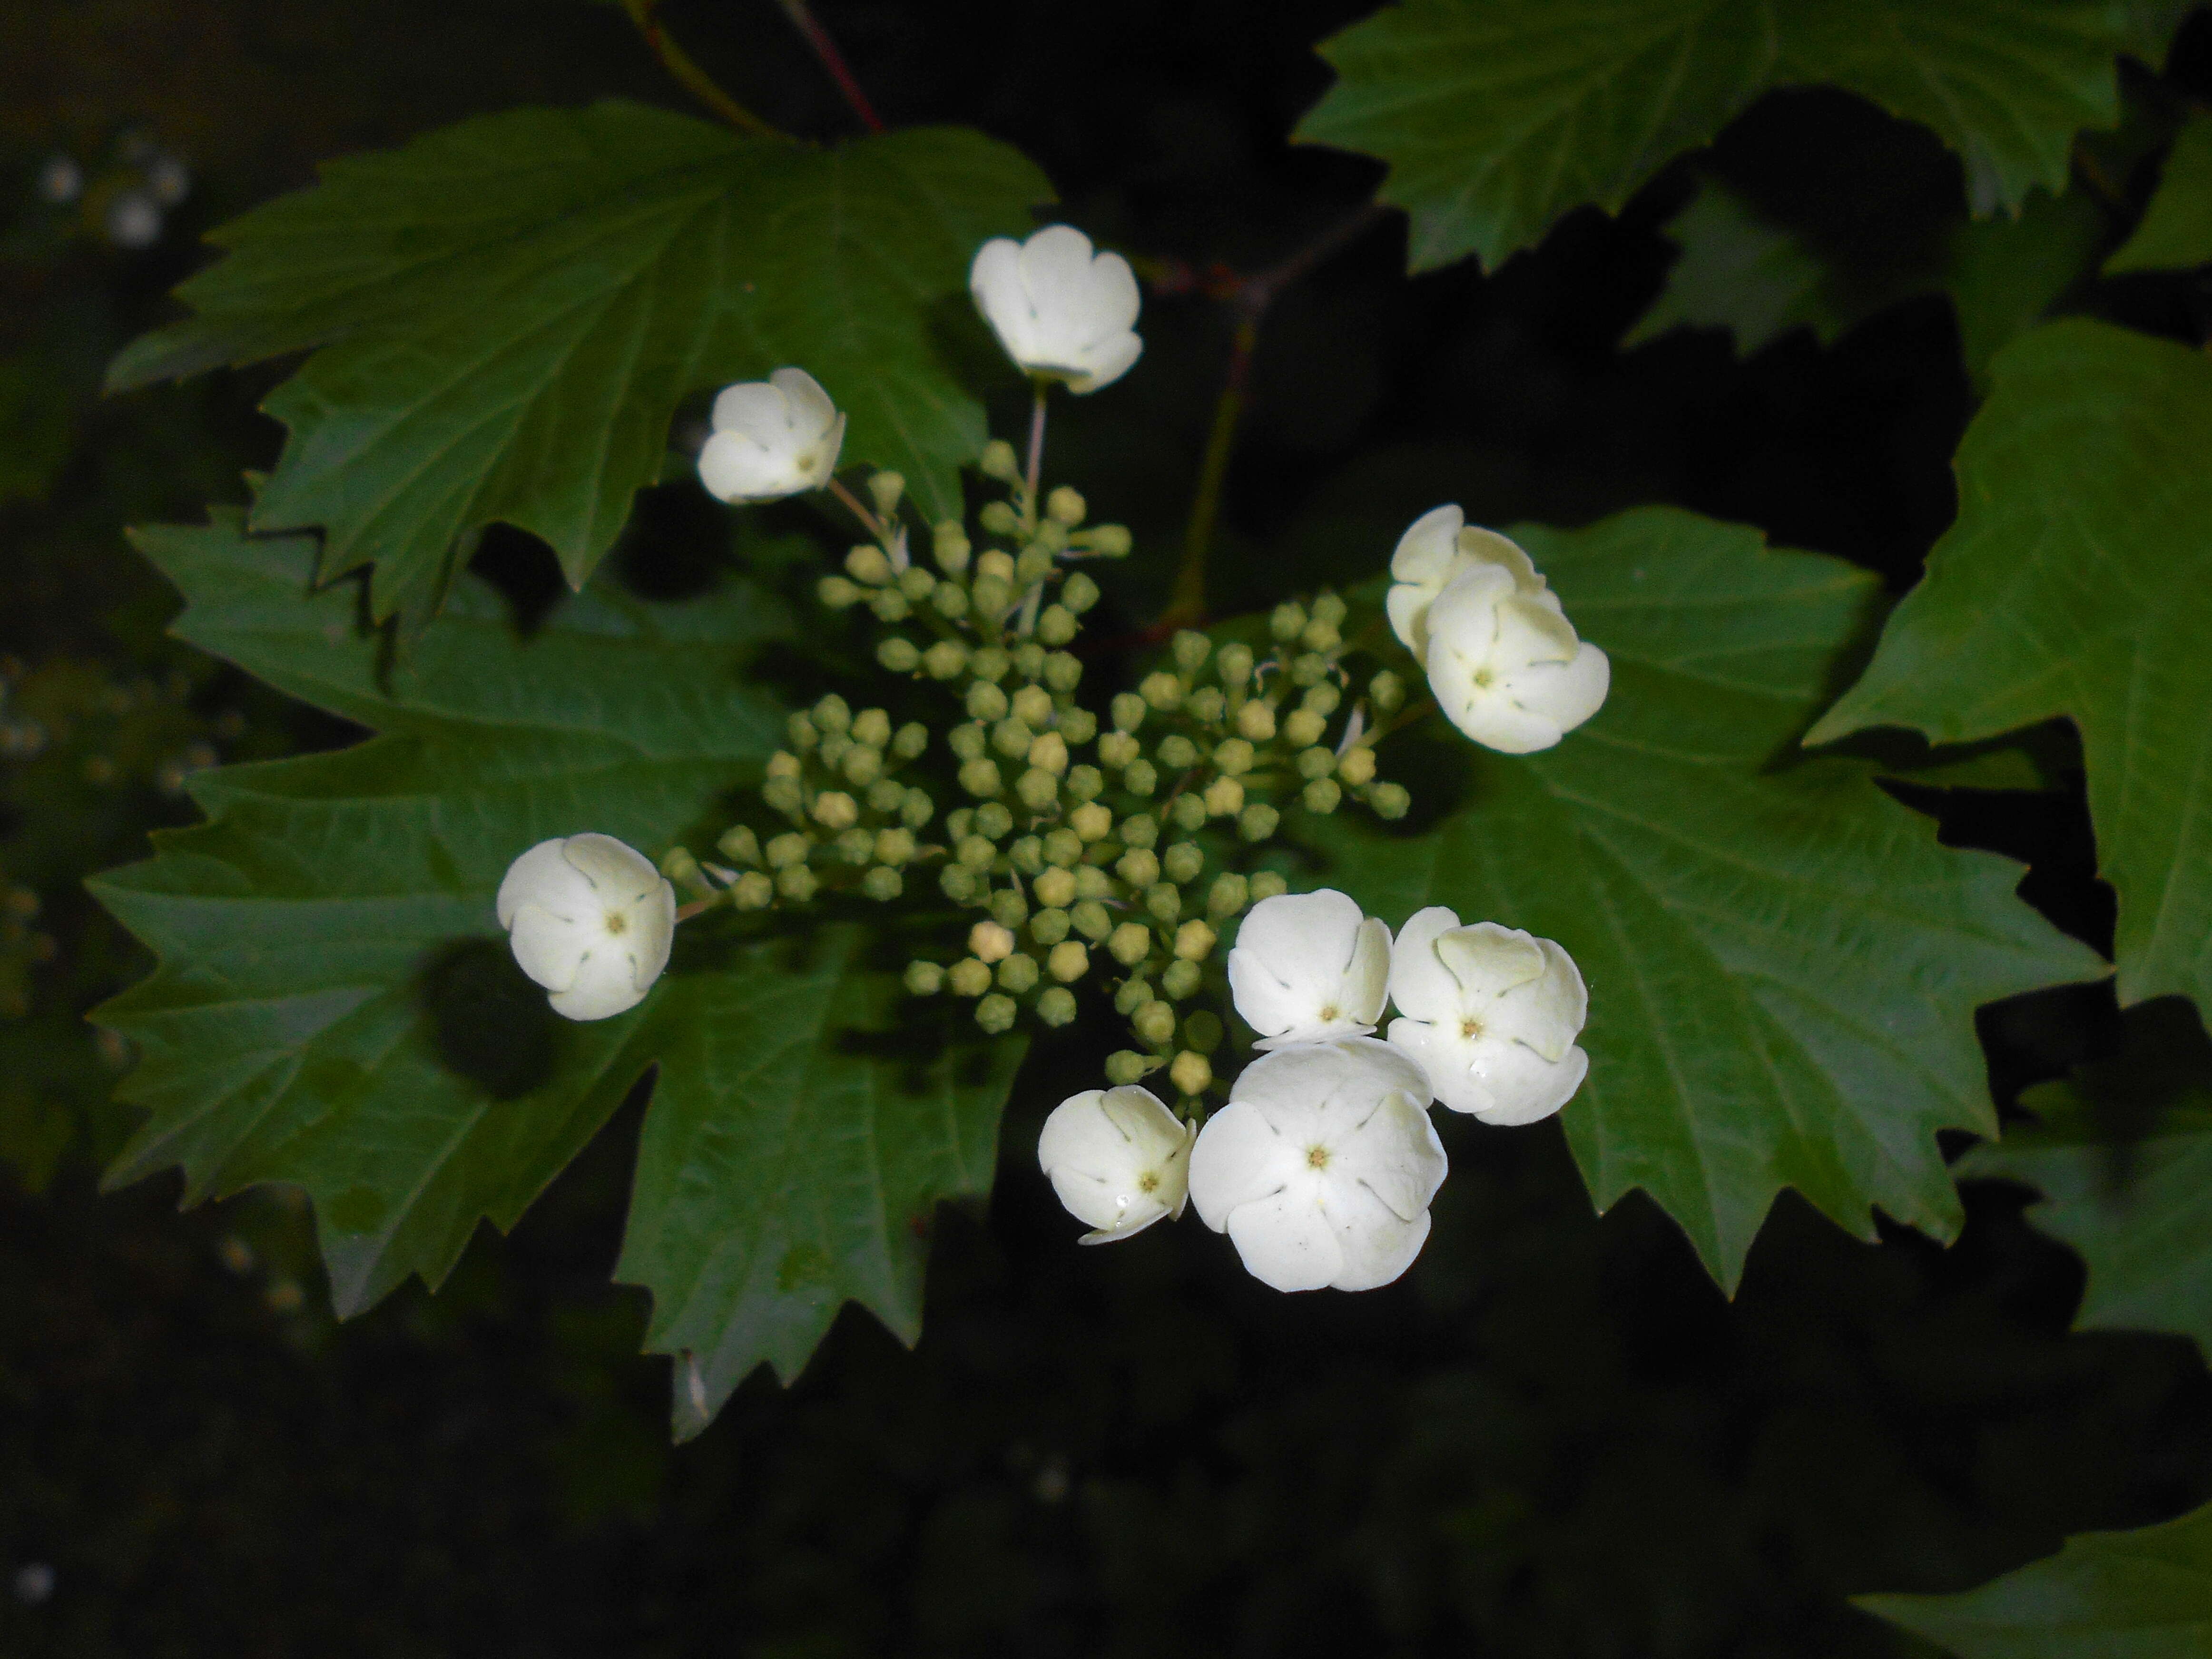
(740, 845)
(1140, 778)
(969, 977)
(986, 702)
(1048, 927)
(1330, 608)
(1226, 896)
(838, 593)
(863, 765)
(803, 737)
(909, 740)
(1011, 737)
(916, 809)
(1125, 1066)
(1319, 635)
(976, 853)
(917, 583)
(991, 941)
(1077, 725)
(990, 663)
(1189, 649)
(1091, 883)
(1323, 699)
(924, 978)
(1091, 919)
(1164, 900)
(1009, 909)
(882, 883)
(1288, 621)
(1190, 1073)
(991, 596)
(999, 461)
(994, 819)
(958, 883)
(753, 891)
(1140, 830)
(1086, 783)
(1068, 962)
(1316, 763)
(997, 518)
(1303, 726)
(834, 809)
(1055, 887)
(1055, 624)
(1177, 752)
(1027, 856)
(1182, 978)
(1267, 884)
(1184, 862)
(885, 489)
(1308, 669)
(1037, 789)
(890, 606)
(791, 848)
(1208, 704)
(1091, 822)
(1128, 709)
(958, 823)
(1034, 563)
(855, 845)
(1056, 1006)
(1225, 798)
(1130, 943)
(1258, 821)
(945, 660)
(968, 742)
(885, 795)
(1386, 691)
(1234, 756)
(1189, 812)
(1032, 706)
(833, 713)
(951, 601)
(1256, 721)
(1356, 765)
(1063, 847)
(1109, 541)
(1064, 507)
(1389, 800)
(1048, 751)
(1321, 796)
(1162, 690)
(981, 777)
(1079, 593)
(1140, 866)
(893, 846)
(783, 765)
(995, 1013)
(796, 882)
(1117, 749)
(1154, 1022)
(1019, 972)
(870, 564)
(681, 867)
(833, 747)
(1133, 994)
(949, 541)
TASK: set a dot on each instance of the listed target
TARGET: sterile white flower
(589, 919)
(1321, 1167)
(1503, 660)
(1059, 308)
(772, 438)
(1310, 967)
(1491, 1013)
(1118, 1158)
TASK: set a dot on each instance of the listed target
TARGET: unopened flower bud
(1055, 887)
(893, 846)
(1207, 704)
(855, 845)
(1091, 822)
(891, 605)
(1161, 689)
(862, 765)
(1035, 563)
(835, 809)
(1019, 972)
(958, 883)
(969, 977)
(882, 883)
(1323, 699)
(986, 702)
(1086, 783)
(1183, 861)
(1322, 796)
(1164, 900)
(949, 541)
(1288, 621)
(739, 844)
(1056, 1006)
(1386, 691)
(1225, 798)
(995, 1013)
(999, 461)
(1128, 709)
(870, 564)
(1177, 751)
(1319, 635)
(1032, 706)
(1065, 506)
(1048, 751)
(1190, 1073)
(992, 597)
(1256, 721)
(945, 660)
(990, 941)
(1181, 979)
(796, 882)
(1011, 737)
(1091, 919)
(909, 740)
(997, 518)
(998, 565)
(989, 662)
(803, 737)
(1109, 541)
(1226, 896)
(788, 848)
(916, 809)
(833, 713)
(1125, 1066)
(1232, 664)
(1037, 789)
(916, 583)
(1077, 725)
(753, 890)
(994, 820)
(1389, 800)
(981, 777)
(1027, 856)
(1356, 765)
(838, 593)
(1189, 648)
(1130, 943)
(1140, 830)
(1139, 866)
(977, 852)
(1234, 756)
(1117, 749)
(681, 867)
(1189, 810)
(1063, 847)
(782, 764)
(924, 978)
(1140, 778)
(1079, 593)
(1132, 994)
(1068, 962)
(1056, 624)
(871, 726)
(1258, 821)
(951, 601)
(1267, 884)
(885, 489)
(1154, 1022)
(1316, 761)
(1009, 909)
(1302, 726)
(1050, 926)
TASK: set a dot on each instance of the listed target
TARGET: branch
(825, 49)
(646, 14)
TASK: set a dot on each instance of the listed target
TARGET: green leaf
(2176, 232)
(2074, 584)
(1499, 116)
(2003, 275)
(335, 1007)
(1744, 273)
(1782, 963)
(2140, 1595)
(504, 315)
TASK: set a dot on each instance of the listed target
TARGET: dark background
(1554, 1437)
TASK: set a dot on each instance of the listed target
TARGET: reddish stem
(825, 49)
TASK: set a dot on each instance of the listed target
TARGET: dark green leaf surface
(1743, 273)
(336, 1007)
(2176, 232)
(2140, 1595)
(1783, 963)
(1499, 116)
(2073, 583)
(2004, 274)
(506, 314)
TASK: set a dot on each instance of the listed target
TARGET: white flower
(1310, 967)
(1321, 1166)
(1118, 1158)
(1057, 308)
(1502, 657)
(772, 438)
(591, 920)
(1491, 1014)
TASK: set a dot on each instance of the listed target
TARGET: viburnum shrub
(1593, 829)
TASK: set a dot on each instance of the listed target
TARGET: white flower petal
(1377, 1250)
(1421, 984)
(1060, 307)
(591, 920)
(1308, 966)
(542, 876)
(1240, 1157)
(1118, 1159)
(771, 438)
(1287, 1241)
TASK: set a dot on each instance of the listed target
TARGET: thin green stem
(859, 510)
(1034, 473)
(646, 14)
(1187, 599)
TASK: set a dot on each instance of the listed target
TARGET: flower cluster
(1321, 1166)
(1118, 851)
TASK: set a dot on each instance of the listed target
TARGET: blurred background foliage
(1554, 1437)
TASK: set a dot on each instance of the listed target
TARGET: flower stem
(646, 14)
(1035, 470)
(860, 510)
(825, 49)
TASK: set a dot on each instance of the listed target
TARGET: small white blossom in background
(1119, 1159)
(61, 181)
(1491, 1014)
(771, 438)
(591, 920)
(133, 220)
(1309, 968)
(1503, 660)
(1059, 308)
(1321, 1167)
